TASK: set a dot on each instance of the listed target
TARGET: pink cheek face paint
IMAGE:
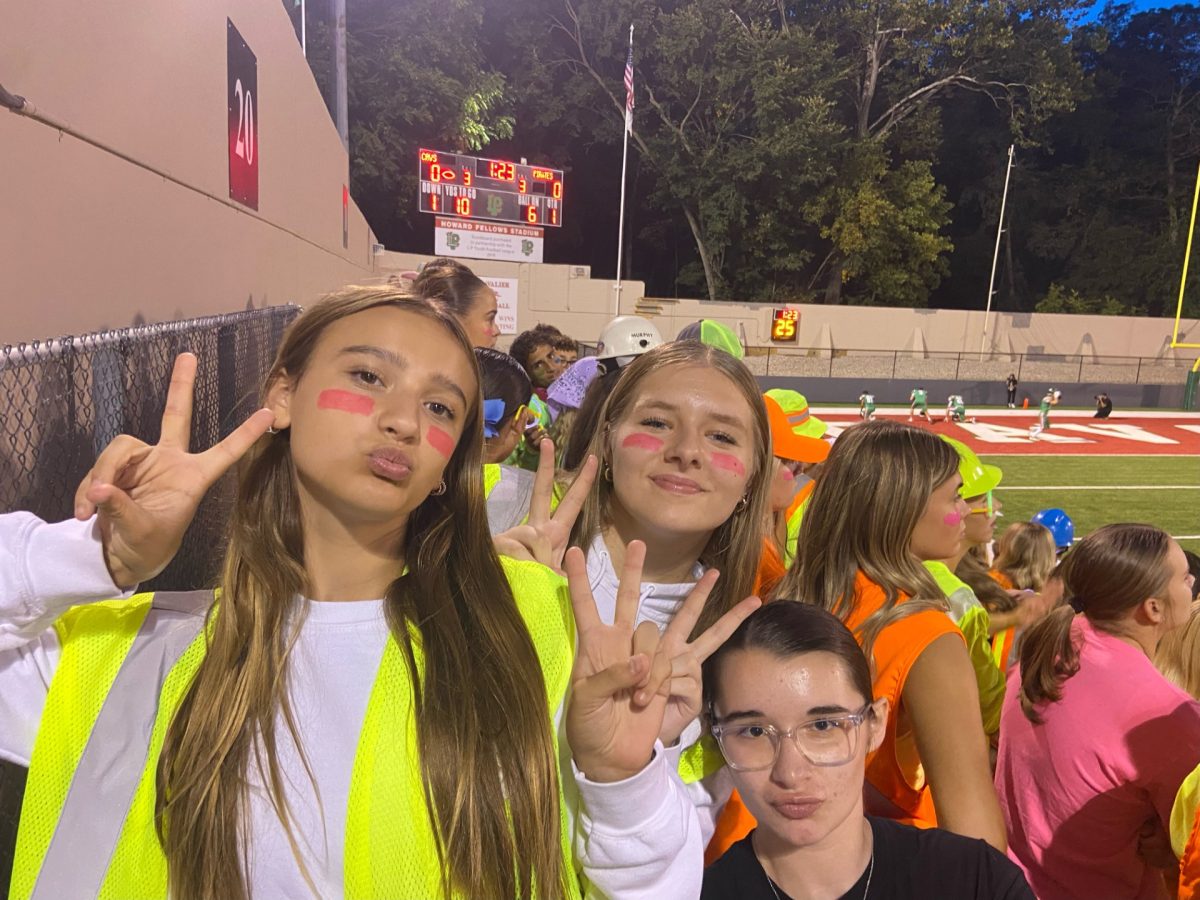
(440, 441)
(346, 401)
(729, 463)
(640, 441)
(953, 519)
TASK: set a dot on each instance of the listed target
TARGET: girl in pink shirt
(1094, 742)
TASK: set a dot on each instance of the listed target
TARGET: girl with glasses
(789, 700)
(888, 500)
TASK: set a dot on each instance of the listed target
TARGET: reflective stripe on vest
(87, 825)
(92, 755)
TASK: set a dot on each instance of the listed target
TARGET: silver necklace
(866, 890)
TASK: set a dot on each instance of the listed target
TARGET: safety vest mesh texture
(389, 847)
(99, 644)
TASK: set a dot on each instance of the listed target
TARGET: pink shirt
(1076, 789)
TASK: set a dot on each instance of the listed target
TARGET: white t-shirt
(635, 838)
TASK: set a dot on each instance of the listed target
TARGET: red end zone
(1078, 434)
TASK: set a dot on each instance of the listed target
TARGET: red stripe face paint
(952, 519)
(440, 441)
(729, 463)
(786, 474)
(639, 441)
(346, 401)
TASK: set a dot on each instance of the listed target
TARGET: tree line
(832, 151)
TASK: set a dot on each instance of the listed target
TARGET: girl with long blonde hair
(365, 707)
(886, 502)
(685, 459)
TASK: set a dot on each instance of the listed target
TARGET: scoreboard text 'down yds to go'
(495, 190)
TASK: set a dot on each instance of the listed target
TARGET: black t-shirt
(1011, 383)
(910, 864)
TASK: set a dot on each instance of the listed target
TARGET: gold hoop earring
(742, 504)
(439, 490)
(607, 473)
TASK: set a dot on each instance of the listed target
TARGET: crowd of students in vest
(515, 625)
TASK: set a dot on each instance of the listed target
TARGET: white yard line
(1101, 487)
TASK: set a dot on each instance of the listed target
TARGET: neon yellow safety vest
(87, 822)
(973, 621)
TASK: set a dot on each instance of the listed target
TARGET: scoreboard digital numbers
(784, 326)
(495, 190)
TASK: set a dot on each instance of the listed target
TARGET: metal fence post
(1137, 379)
(1079, 375)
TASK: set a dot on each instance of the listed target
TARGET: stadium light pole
(339, 71)
(996, 255)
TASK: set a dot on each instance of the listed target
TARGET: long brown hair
(451, 285)
(486, 750)
(872, 492)
(736, 544)
(1027, 555)
(974, 571)
(1107, 574)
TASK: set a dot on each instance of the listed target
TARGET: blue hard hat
(1059, 525)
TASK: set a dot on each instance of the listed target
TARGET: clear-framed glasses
(824, 740)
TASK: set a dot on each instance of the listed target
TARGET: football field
(1097, 490)
(1136, 467)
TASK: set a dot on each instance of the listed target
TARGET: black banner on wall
(242, 95)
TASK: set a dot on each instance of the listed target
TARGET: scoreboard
(784, 325)
(495, 190)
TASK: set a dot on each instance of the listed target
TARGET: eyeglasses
(989, 509)
(824, 741)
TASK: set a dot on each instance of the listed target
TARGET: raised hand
(620, 679)
(147, 495)
(685, 688)
(544, 534)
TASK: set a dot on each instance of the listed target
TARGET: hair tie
(493, 415)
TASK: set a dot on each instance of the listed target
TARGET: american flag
(629, 86)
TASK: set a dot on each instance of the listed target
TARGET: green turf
(1177, 511)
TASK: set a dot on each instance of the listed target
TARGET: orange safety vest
(770, 570)
(895, 778)
(894, 771)
(1002, 641)
(1189, 865)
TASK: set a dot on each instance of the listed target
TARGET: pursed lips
(390, 463)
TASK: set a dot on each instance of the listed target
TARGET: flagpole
(624, 165)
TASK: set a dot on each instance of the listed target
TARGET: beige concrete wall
(560, 295)
(580, 306)
(89, 240)
(940, 331)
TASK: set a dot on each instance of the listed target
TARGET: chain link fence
(63, 401)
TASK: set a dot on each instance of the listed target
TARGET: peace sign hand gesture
(686, 687)
(147, 495)
(544, 534)
(622, 679)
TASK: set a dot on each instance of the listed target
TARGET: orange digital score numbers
(784, 326)
(496, 190)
